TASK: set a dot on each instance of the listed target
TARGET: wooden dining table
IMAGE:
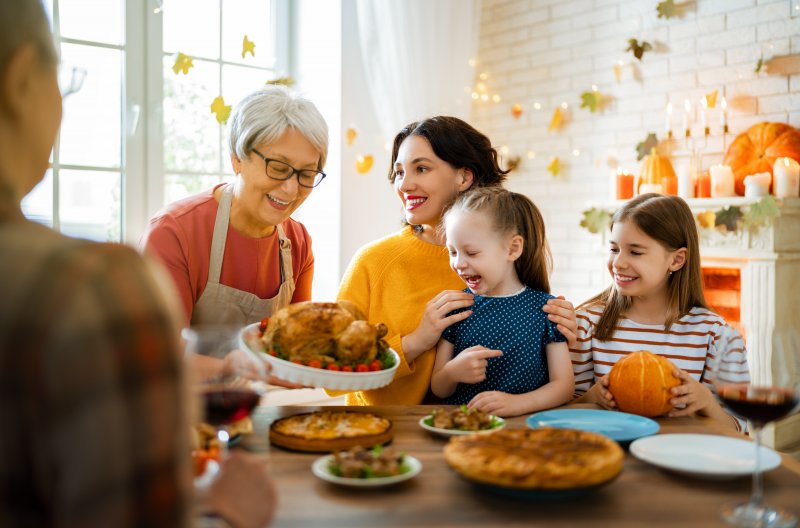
(642, 496)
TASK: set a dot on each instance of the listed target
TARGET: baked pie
(547, 458)
(328, 431)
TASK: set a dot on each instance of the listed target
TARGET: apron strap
(220, 235)
(286, 255)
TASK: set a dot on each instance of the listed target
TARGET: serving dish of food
(365, 468)
(329, 431)
(536, 463)
(460, 421)
(327, 345)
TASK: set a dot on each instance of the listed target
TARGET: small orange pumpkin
(657, 169)
(640, 383)
(756, 149)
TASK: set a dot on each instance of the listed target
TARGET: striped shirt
(692, 344)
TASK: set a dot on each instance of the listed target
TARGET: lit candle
(624, 185)
(669, 121)
(685, 181)
(723, 108)
(704, 115)
(687, 110)
(786, 173)
(704, 185)
(757, 185)
(722, 182)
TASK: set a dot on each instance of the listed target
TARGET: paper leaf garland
(592, 100)
(351, 134)
(760, 213)
(728, 217)
(711, 99)
(554, 167)
(248, 46)
(596, 220)
(364, 164)
(221, 110)
(618, 71)
(667, 9)
(643, 148)
(638, 48)
(555, 122)
(284, 81)
(759, 64)
(516, 110)
(182, 63)
(707, 219)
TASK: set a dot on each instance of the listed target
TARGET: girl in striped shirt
(655, 303)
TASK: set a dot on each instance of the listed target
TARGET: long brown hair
(512, 214)
(668, 221)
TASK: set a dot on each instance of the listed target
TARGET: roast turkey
(325, 331)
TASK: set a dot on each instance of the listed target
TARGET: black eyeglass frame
(294, 171)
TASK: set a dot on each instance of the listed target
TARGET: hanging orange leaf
(516, 110)
(182, 63)
(351, 134)
(364, 164)
(248, 46)
(555, 122)
(554, 167)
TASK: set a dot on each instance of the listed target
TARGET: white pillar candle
(786, 174)
(685, 181)
(757, 185)
(722, 181)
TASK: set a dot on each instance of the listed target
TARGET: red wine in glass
(760, 405)
(225, 405)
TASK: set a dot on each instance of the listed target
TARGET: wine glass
(759, 402)
(227, 378)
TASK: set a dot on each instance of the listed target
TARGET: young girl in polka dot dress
(506, 358)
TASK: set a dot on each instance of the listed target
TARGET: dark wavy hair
(459, 144)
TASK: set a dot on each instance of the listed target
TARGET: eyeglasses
(279, 170)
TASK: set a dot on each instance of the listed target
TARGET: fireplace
(753, 280)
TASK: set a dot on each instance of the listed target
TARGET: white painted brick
(510, 9)
(529, 18)
(794, 83)
(794, 119)
(570, 9)
(709, 7)
(619, 29)
(510, 37)
(756, 15)
(787, 27)
(570, 67)
(760, 86)
(682, 46)
(597, 17)
(694, 27)
(779, 103)
(552, 27)
(529, 75)
(725, 39)
(553, 57)
(654, 66)
(710, 59)
(571, 38)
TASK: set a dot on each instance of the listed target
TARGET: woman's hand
(434, 320)
(469, 366)
(561, 312)
(690, 396)
(499, 403)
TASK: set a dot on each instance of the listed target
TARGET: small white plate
(320, 469)
(704, 456)
(458, 432)
(317, 377)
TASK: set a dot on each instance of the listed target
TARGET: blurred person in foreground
(93, 405)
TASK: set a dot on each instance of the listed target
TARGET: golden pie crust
(328, 431)
(547, 458)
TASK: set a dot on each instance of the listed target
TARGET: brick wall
(548, 52)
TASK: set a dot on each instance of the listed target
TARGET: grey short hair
(266, 114)
(23, 22)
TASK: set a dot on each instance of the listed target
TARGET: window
(136, 135)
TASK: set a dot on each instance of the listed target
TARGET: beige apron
(220, 304)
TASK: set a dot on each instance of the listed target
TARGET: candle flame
(786, 161)
(687, 105)
(669, 108)
(724, 103)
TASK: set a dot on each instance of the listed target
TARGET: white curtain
(416, 57)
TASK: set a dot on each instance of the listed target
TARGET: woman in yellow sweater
(404, 280)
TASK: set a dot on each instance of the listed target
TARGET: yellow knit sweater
(391, 280)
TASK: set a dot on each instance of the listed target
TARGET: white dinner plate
(458, 432)
(321, 470)
(317, 377)
(703, 456)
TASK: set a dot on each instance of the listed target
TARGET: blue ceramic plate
(619, 426)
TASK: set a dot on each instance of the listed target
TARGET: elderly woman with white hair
(234, 253)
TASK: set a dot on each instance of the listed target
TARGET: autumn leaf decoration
(596, 220)
(759, 64)
(761, 213)
(638, 48)
(728, 217)
(643, 148)
(182, 64)
(283, 81)
(667, 9)
(220, 109)
(248, 46)
(592, 100)
(554, 167)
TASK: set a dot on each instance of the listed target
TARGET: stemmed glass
(227, 378)
(759, 403)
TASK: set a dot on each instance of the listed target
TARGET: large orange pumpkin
(755, 150)
(640, 383)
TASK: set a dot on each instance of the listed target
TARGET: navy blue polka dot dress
(516, 325)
